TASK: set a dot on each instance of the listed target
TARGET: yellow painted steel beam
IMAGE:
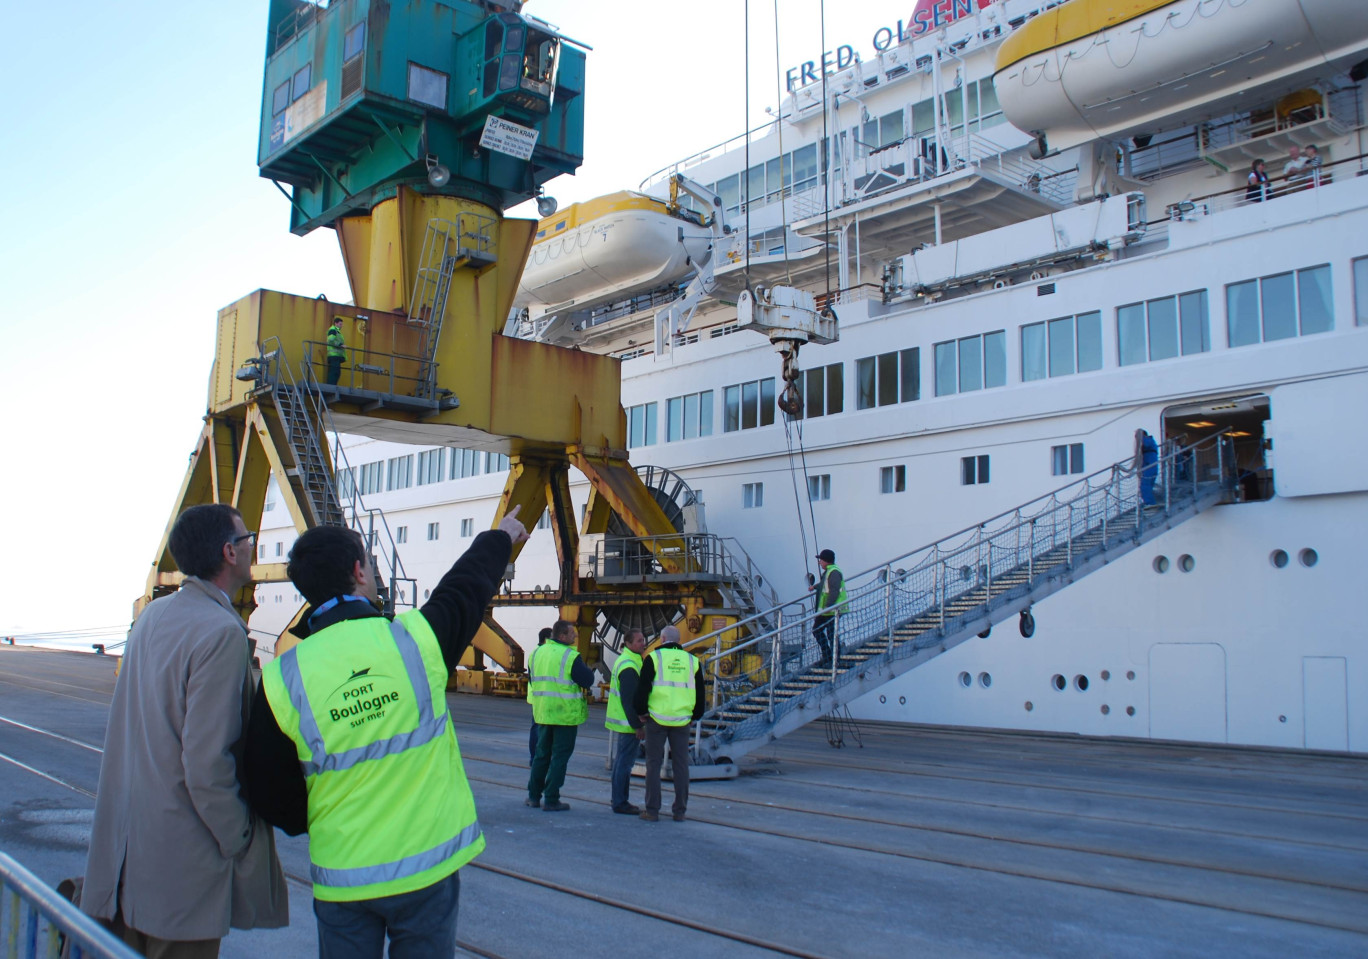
(622, 490)
(494, 641)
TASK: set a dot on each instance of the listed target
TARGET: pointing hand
(516, 531)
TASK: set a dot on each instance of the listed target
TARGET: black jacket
(273, 779)
(640, 702)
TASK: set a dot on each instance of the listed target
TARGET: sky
(134, 213)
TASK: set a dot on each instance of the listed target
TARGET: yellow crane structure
(415, 197)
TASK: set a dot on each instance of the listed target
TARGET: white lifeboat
(1091, 69)
(609, 248)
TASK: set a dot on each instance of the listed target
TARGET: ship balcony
(1297, 120)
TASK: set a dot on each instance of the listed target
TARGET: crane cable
(779, 129)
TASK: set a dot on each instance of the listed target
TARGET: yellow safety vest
(673, 693)
(827, 601)
(617, 713)
(555, 699)
(390, 810)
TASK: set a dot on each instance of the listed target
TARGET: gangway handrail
(24, 933)
(1064, 515)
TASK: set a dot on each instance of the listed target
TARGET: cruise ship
(1040, 229)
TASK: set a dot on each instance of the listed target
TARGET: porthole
(1130, 674)
(427, 593)
(1105, 674)
(1059, 682)
(902, 700)
(1106, 710)
(985, 680)
(1029, 705)
(882, 700)
(1160, 564)
(965, 679)
(1186, 563)
(1278, 558)
(1081, 683)
(1309, 557)
(1130, 710)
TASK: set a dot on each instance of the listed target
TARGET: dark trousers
(628, 748)
(554, 746)
(656, 736)
(824, 632)
(334, 370)
(420, 924)
(532, 744)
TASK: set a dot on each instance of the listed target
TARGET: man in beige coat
(176, 856)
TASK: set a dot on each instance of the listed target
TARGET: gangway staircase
(915, 607)
(303, 416)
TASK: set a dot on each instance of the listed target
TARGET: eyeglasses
(238, 539)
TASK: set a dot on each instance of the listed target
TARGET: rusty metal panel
(546, 393)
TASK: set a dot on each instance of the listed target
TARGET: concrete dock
(905, 841)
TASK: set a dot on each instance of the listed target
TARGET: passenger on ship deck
(1313, 164)
(176, 856)
(542, 637)
(352, 742)
(669, 696)
(831, 594)
(1257, 190)
(557, 677)
(627, 728)
(1295, 170)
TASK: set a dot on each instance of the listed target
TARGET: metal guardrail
(975, 565)
(36, 921)
(361, 363)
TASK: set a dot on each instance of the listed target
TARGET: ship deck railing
(36, 920)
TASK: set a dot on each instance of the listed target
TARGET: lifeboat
(609, 248)
(1091, 69)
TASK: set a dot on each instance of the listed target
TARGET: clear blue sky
(134, 212)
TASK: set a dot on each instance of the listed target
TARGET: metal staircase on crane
(919, 605)
(304, 417)
(447, 245)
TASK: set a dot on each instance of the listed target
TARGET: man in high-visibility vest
(352, 742)
(555, 689)
(622, 718)
(337, 351)
(669, 696)
(831, 597)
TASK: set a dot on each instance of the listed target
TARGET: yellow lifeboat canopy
(608, 248)
(1106, 69)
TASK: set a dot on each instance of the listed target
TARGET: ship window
(300, 83)
(729, 192)
(748, 405)
(752, 495)
(354, 42)
(465, 463)
(434, 531)
(893, 479)
(641, 425)
(561, 225)
(467, 527)
(888, 378)
(971, 363)
(819, 487)
(823, 390)
(401, 472)
(401, 534)
(430, 466)
(346, 484)
(805, 168)
(973, 470)
(1278, 307)
(1361, 291)
(1160, 329)
(372, 477)
(427, 86)
(280, 99)
(1065, 460)
(496, 462)
(544, 522)
(689, 417)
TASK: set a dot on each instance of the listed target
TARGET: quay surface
(924, 841)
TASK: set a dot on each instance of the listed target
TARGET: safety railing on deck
(980, 563)
(394, 374)
(36, 921)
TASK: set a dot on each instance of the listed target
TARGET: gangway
(917, 606)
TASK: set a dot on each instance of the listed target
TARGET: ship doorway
(1246, 418)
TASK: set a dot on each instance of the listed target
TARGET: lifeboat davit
(609, 248)
(1091, 69)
